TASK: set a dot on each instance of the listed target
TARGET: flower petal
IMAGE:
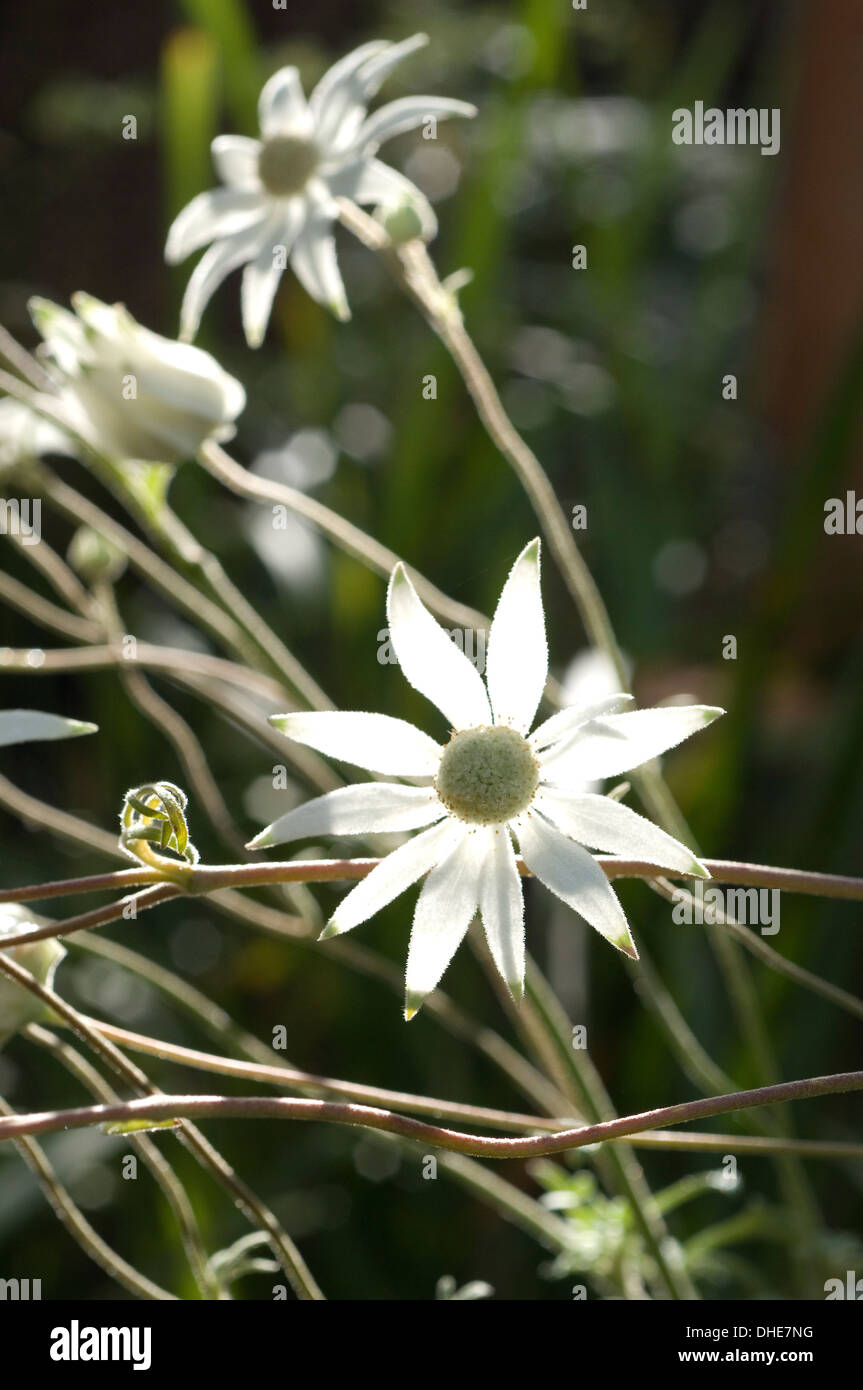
(262, 275)
(342, 75)
(430, 660)
(282, 106)
(357, 810)
(378, 67)
(446, 906)
(619, 742)
(406, 114)
(501, 904)
(374, 741)
(566, 721)
(606, 825)
(393, 875)
(32, 726)
(236, 161)
(183, 378)
(314, 259)
(572, 874)
(65, 339)
(222, 212)
(215, 266)
(517, 664)
(343, 92)
(369, 181)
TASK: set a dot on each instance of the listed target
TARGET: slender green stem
(28, 366)
(187, 553)
(204, 878)
(213, 679)
(167, 1107)
(344, 533)
(282, 1075)
(46, 614)
(168, 661)
(59, 575)
(173, 726)
(766, 1146)
(149, 565)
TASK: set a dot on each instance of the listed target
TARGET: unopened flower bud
(402, 223)
(94, 558)
(130, 393)
(18, 1006)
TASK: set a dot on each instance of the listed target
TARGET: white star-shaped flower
(279, 199)
(491, 782)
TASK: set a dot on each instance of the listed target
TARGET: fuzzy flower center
(487, 775)
(286, 163)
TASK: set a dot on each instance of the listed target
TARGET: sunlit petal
(517, 664)
(573, 875)
(501, 903)
(406, 114)
(606, 825)
(374, 741)
(357, 810)
(282, 107)
(394, 875)
(619, 742)
(236, 160)
(430, 660)
(447, 903)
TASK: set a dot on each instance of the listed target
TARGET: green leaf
(32, 726)
(137, 1126)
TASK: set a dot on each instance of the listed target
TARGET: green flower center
(286, 164)
(487, 775)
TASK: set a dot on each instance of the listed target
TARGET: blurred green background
(705, 519)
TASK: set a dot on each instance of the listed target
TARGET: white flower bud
(17, 1006)
(25, 436)
(130, 393)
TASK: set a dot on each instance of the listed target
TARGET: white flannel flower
(493, 780)
(279, 198)
(130, 393)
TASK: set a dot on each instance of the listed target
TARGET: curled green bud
(153, 827)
